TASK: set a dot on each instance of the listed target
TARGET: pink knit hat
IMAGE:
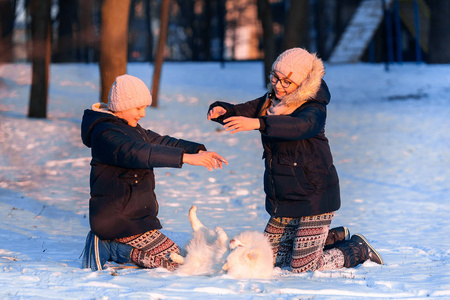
(296, 64)
(128, 92)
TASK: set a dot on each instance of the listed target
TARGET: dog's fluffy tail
(195, 222)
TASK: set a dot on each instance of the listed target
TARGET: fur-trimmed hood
(308, 89)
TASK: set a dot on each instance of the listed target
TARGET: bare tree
(296, 25)
(149, 31)
(164, 20)
(185, 18)
(41, 53)
(191, 17)
(89, 37)
(265, 14)
(220, 8)
(67, 42)
(113, 43)
(439, 42)
(205, 25)
(325, 15)
(7, 16)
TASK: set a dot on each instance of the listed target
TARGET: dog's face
(241, 256)
(250, 257)
(247, 262)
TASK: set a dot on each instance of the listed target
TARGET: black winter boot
(335, 236)
(373, 255)
(357, 250)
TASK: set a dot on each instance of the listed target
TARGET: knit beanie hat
(128, 92)
(296, 64)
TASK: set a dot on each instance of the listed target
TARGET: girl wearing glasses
(300, 180)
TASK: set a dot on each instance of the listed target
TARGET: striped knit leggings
(151, 250)
(298, 243)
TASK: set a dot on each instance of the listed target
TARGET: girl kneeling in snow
(300, 180)
(123, 208)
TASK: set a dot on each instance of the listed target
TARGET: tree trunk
(265, 16)
(132, 31)
(7, 16)
(149, 32)
(325, 22)
(187, 7)
(439, 42)
(113, 43)
(296, 25)
(41, 53)
(207, 17)
(66, 44)
(164, 20)
(88, 40)
(197, 29)
(221, 12)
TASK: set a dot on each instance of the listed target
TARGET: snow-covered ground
(390, 137)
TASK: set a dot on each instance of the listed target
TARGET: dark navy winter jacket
(123, 202)
(300, 178)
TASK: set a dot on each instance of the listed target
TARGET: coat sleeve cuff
(262, 125)
(201, 148)
(166, 157)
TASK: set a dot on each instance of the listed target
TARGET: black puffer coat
(300, 178)
(123, 202)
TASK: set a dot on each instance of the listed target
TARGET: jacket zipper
(141, 135)
(144, 137)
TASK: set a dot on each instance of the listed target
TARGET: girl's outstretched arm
(237, 124)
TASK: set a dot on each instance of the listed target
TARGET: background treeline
(115, 32)
(218, 30)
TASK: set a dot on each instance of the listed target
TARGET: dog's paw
(225, 267)
(176, 258)
(222, 236)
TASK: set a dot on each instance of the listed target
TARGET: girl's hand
(237, 124)
(216, 112)
(208, 159)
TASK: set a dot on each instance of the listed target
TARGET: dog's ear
(235, 243)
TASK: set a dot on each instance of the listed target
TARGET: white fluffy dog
(251, 255)
(205, 252)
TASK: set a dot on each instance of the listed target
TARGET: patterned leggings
(299, 243)
(151, 249)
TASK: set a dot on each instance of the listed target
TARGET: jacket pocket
(316, 174)
(139, 201)
(314, 166)
(289, 181)
(286, 165)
